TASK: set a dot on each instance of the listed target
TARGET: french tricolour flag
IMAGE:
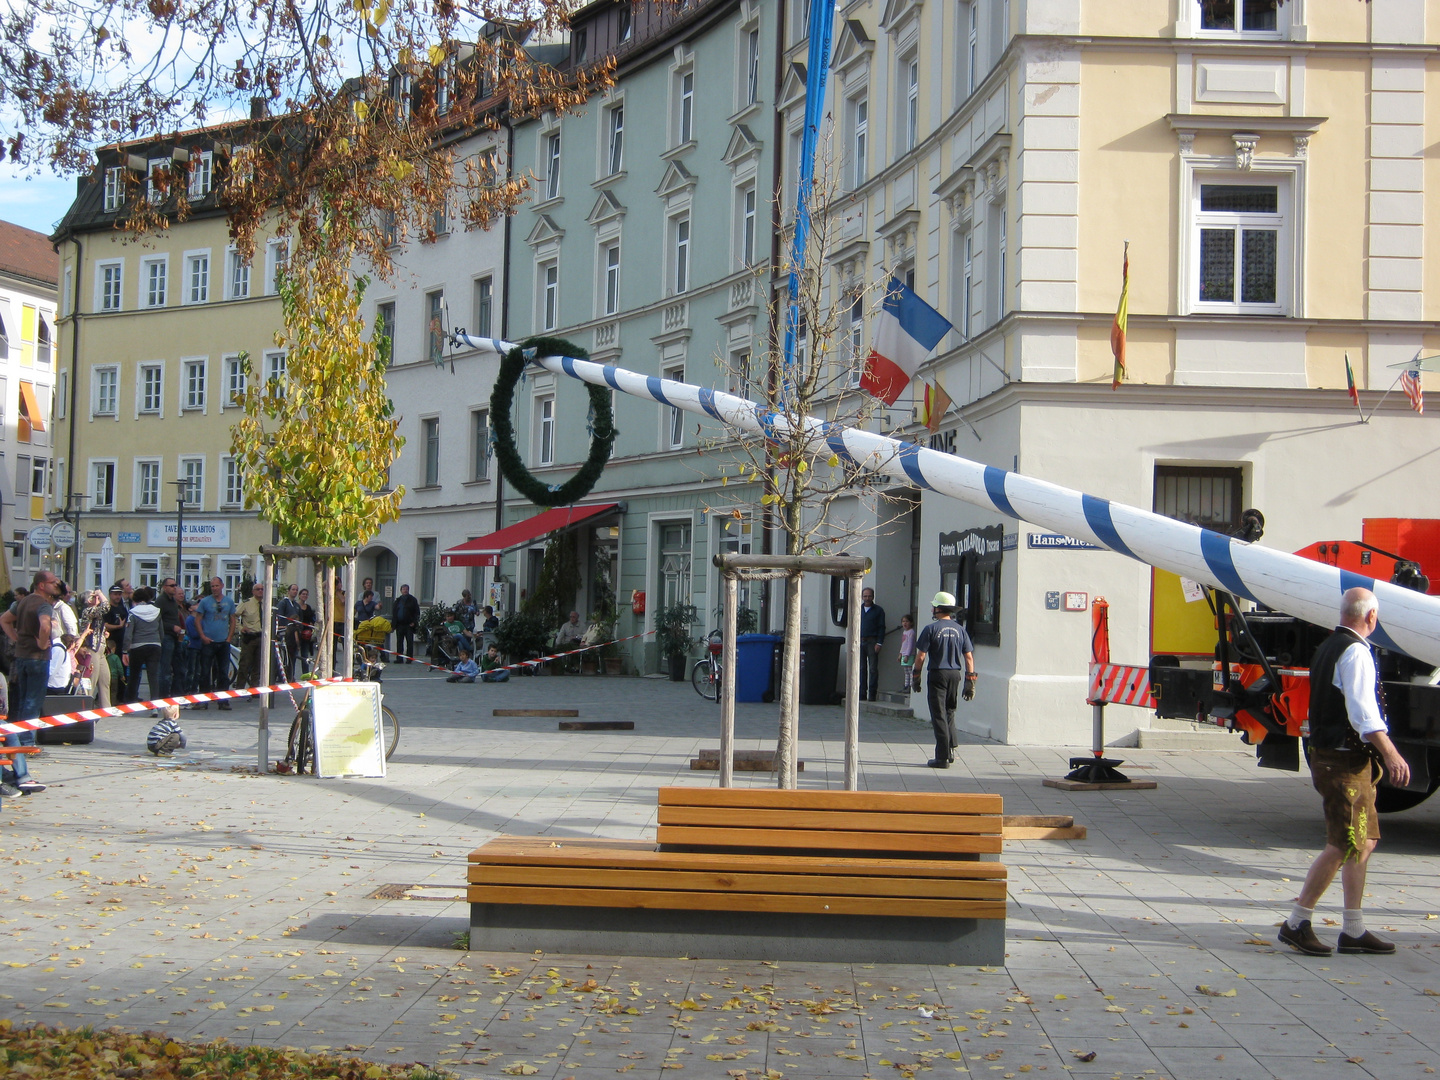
(905, 333)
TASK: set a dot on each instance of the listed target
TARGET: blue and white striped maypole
(1410, 621)
(822, 18)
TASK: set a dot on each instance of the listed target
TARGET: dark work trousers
(943, 694)
(167, 663)
(144, 658)
(869, 668)
(404, 643)
(215, 665)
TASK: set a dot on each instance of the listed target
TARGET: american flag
(1410, 383)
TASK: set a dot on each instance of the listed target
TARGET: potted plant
(673, 638)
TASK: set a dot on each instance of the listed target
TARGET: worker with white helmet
(952, 656)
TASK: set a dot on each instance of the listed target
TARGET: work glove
(968, 694)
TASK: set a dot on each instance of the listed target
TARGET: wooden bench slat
(720, 881)
(662, 899)
(776, 799)
(826, 840)
(644, 855)
(851, 820)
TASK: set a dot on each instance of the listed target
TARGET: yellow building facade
(153, 334)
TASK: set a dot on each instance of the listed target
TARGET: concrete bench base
(725, 935)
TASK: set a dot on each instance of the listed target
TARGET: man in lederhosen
(1349, 743)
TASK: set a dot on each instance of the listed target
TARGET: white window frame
(92, 472)
(276, 368)
(277, 256)
(98, 406)
(202, 174)
(484, 293)
(44, 337)
(429, 451)
(547, 295)
(967, 283)
(672, 434)
(141, 464)
(544, 448)
(238, 270)
(1289, 177)
(232, 367)
(195, 288)
(967, 30)
(114, 188)
(479, 445)
(554, 162)
(679, 255)
(1285, 18)
(751, 93)
(148, 266)
(858, 109)
(195, 495)
(855, 337)
(747, 224)
(614, 163)
(684, 129)
(232, 483)
(143, 407)
(190, 401)
(153, 195)
(108, 298)
(609, 276)
(434, 328)
(909, 125)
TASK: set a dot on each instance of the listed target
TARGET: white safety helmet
(943, 600)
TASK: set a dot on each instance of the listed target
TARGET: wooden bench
(744, 873)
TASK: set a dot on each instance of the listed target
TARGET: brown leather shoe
(1303, 939)
(1365, 943)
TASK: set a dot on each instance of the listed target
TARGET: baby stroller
(446, 644)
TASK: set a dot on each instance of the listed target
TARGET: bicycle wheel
(389, 730)
(702, 677)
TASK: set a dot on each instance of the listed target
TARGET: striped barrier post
(1410, 621)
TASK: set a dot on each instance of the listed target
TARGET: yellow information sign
(348, 739)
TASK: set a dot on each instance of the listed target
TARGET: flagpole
(1366, 419)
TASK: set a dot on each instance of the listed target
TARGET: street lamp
(182, 492)
(73, 553)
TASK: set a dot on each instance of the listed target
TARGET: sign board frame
(62, 534)
(348, 736)
(39, 538)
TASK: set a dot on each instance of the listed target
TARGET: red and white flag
(1410, 383)
(905, 333)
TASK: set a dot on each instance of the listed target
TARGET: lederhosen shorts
(1346, 781)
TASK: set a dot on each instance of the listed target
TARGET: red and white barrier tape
(11, 727)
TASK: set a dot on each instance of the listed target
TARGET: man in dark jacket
(1349, 743)
(172, 630)
(406, 618)
(872, 638)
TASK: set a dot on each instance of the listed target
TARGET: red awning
(486, 550)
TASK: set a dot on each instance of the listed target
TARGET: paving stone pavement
(195, 897)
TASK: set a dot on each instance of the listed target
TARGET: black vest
(1330, 727)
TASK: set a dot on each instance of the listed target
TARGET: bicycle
(300, 745)
(705, 675)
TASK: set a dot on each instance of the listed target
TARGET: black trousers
(144, 658)
(869, 668)
(405, 643)
(943, 694)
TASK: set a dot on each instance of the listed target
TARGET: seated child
(166, 737)
(491, 668)
(466, 669)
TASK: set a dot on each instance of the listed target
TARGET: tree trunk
(325, 650)
(787, 747)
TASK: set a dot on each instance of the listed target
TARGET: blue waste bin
(753, 654)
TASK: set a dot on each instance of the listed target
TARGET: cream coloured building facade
(152, 332)
(1267, 165)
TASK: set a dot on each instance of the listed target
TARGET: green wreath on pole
(502, 427)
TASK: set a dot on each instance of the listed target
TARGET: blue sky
(36, 202)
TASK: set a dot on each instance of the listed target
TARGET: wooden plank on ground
(771, 798)
(1040, 821)
(1027, 832)
(644, 855)
(826, 840)
(534, 712)
(1076, 785)
(852, 820)
(765, 764)
(712, 881)
(597, 725)
(662, 899)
